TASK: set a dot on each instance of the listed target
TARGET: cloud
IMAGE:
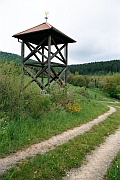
(94, 24)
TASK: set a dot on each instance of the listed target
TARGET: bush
(91, 84)
(29, 102)
(60, 96)
(83, 92)
(112, 86)
(15, 103)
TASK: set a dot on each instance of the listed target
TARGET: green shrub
(79, 80)
(112, 86)
(83, 91)
(60, 96)
(91, 85)
(15, 103)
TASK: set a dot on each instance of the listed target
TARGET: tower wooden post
(66, 57)
(22, 64)
(49, 56)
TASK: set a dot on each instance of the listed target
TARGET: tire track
(45, 146)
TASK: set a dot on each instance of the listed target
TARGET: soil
(45, 146)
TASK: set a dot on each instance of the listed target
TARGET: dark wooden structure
(49, 46)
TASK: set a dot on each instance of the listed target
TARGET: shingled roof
(38, 33)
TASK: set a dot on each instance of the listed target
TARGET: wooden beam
(37, 75)
(54, 64)
(35, 50)
(29, 46)
(42, 65)
(38, 50)
(66, 57)
(49, 57)
(55, 56)
(54, 78)
(28, 84)
(34, 65)
(57, 76)
(34, 78)
(61, 74)
(40, 72)
(63, 59)
(22, 64)
(58, 51)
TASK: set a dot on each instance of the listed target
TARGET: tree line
(5, 56)
(98, 68)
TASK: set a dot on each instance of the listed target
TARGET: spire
(46, 15)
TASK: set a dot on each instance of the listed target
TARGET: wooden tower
(49, 46)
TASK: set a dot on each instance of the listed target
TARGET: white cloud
(94, 24)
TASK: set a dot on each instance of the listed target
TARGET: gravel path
(45, 146)
(97, 163)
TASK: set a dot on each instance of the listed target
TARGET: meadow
(28, 117)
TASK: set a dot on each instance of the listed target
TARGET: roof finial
(46, 15)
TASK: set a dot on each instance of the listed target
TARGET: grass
(114, 170)
(34, 118)
(100, 95)
(55, 163)
(19, 133)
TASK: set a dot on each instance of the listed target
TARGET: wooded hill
(4, 56)
(98, 68)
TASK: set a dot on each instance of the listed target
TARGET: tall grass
(19, 133)
(29, 117)
(55, 163)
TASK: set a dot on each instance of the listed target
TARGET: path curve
(99, 160)
(45, 146)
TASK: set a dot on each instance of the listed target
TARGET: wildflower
(73, 107)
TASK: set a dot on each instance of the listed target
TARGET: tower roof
(37, 33)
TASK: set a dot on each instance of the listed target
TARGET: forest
(5, 56)
(28, 117)
(98, 68)
(93, 68)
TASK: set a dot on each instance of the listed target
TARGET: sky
(94, 24)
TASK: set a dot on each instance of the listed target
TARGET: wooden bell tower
(49, 46)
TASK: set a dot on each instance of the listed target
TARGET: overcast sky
(94, 24)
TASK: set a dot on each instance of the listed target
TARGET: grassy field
(19, 133)
(114, 170)
(28, 117)
(55, 163)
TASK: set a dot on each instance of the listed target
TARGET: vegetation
(98, 68)
(114, 170)
(4, 56)
(28, 117)
(108, 84)
(55, 163)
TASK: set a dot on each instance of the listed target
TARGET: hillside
(102, 67)
(5, 56)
